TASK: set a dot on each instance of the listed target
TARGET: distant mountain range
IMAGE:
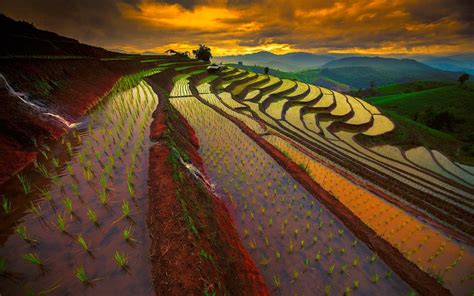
(360, 72)
(286, 62)
(459, 63)
(299, 61)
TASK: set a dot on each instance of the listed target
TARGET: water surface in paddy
(299, 246)
(100, 167)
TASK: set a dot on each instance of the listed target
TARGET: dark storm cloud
(405, 25)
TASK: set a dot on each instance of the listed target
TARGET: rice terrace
(236, 148)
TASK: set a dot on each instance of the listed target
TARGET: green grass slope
(437, 115)
(359, 72)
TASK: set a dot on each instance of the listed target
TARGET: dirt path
(195, 247)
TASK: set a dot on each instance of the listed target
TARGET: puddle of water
(298, 245)
(105, 158)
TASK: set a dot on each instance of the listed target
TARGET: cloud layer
(243, 26)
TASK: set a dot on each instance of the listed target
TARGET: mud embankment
(195, 247)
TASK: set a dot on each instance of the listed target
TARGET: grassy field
(433, 114)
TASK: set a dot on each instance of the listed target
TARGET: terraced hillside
(313, 209)
(412, 199)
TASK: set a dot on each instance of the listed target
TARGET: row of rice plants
(299, 246)
(432, 250)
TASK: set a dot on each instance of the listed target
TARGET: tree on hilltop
(463, 78)
(203, 53)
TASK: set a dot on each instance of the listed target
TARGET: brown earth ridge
(195, 247)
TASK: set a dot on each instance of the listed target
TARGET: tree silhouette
(203, 53)
(463, 78)
(177, 53)
(266, 70)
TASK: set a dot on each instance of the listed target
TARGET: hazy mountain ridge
(286, 62)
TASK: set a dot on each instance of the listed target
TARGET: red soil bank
(408, 271)
(195, 247)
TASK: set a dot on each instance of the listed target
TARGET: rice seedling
(356, 284)
(20, 229)
(331, 269)
(70, 169)
(35, 209)
(103, 181)
(3, 266)
(290, 247)
(68, 205)
(253, 244)
(61, 223)
(373, 258)
(127, 234)
(41, 168)
(55, 162)
(354, 243)
(131, 189)
(6, 205)
(81, 275)
(125, 209)
(327, 290)
(347, 291)
(344, 268)
(92, 216)
(306, 263)
(375, 278)
(295, 275)
(82, 242)
(69, 148)
(32, 258)
(121, 260)
(56, 180)
(88, 174)
(277, 281)
(75, 189)
(318, 256)
(45, 155)
(46, 194)
(103, 197)
(277, 255)
(24, 182)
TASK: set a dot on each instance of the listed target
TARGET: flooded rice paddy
(74, 222)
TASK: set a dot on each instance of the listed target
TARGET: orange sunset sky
(240, 26)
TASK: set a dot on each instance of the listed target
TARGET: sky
(372, 27)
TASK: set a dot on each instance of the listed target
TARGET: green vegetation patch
(438, 118)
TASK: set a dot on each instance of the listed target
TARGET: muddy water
(299, 246)
(432, 250)
(108, 153)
